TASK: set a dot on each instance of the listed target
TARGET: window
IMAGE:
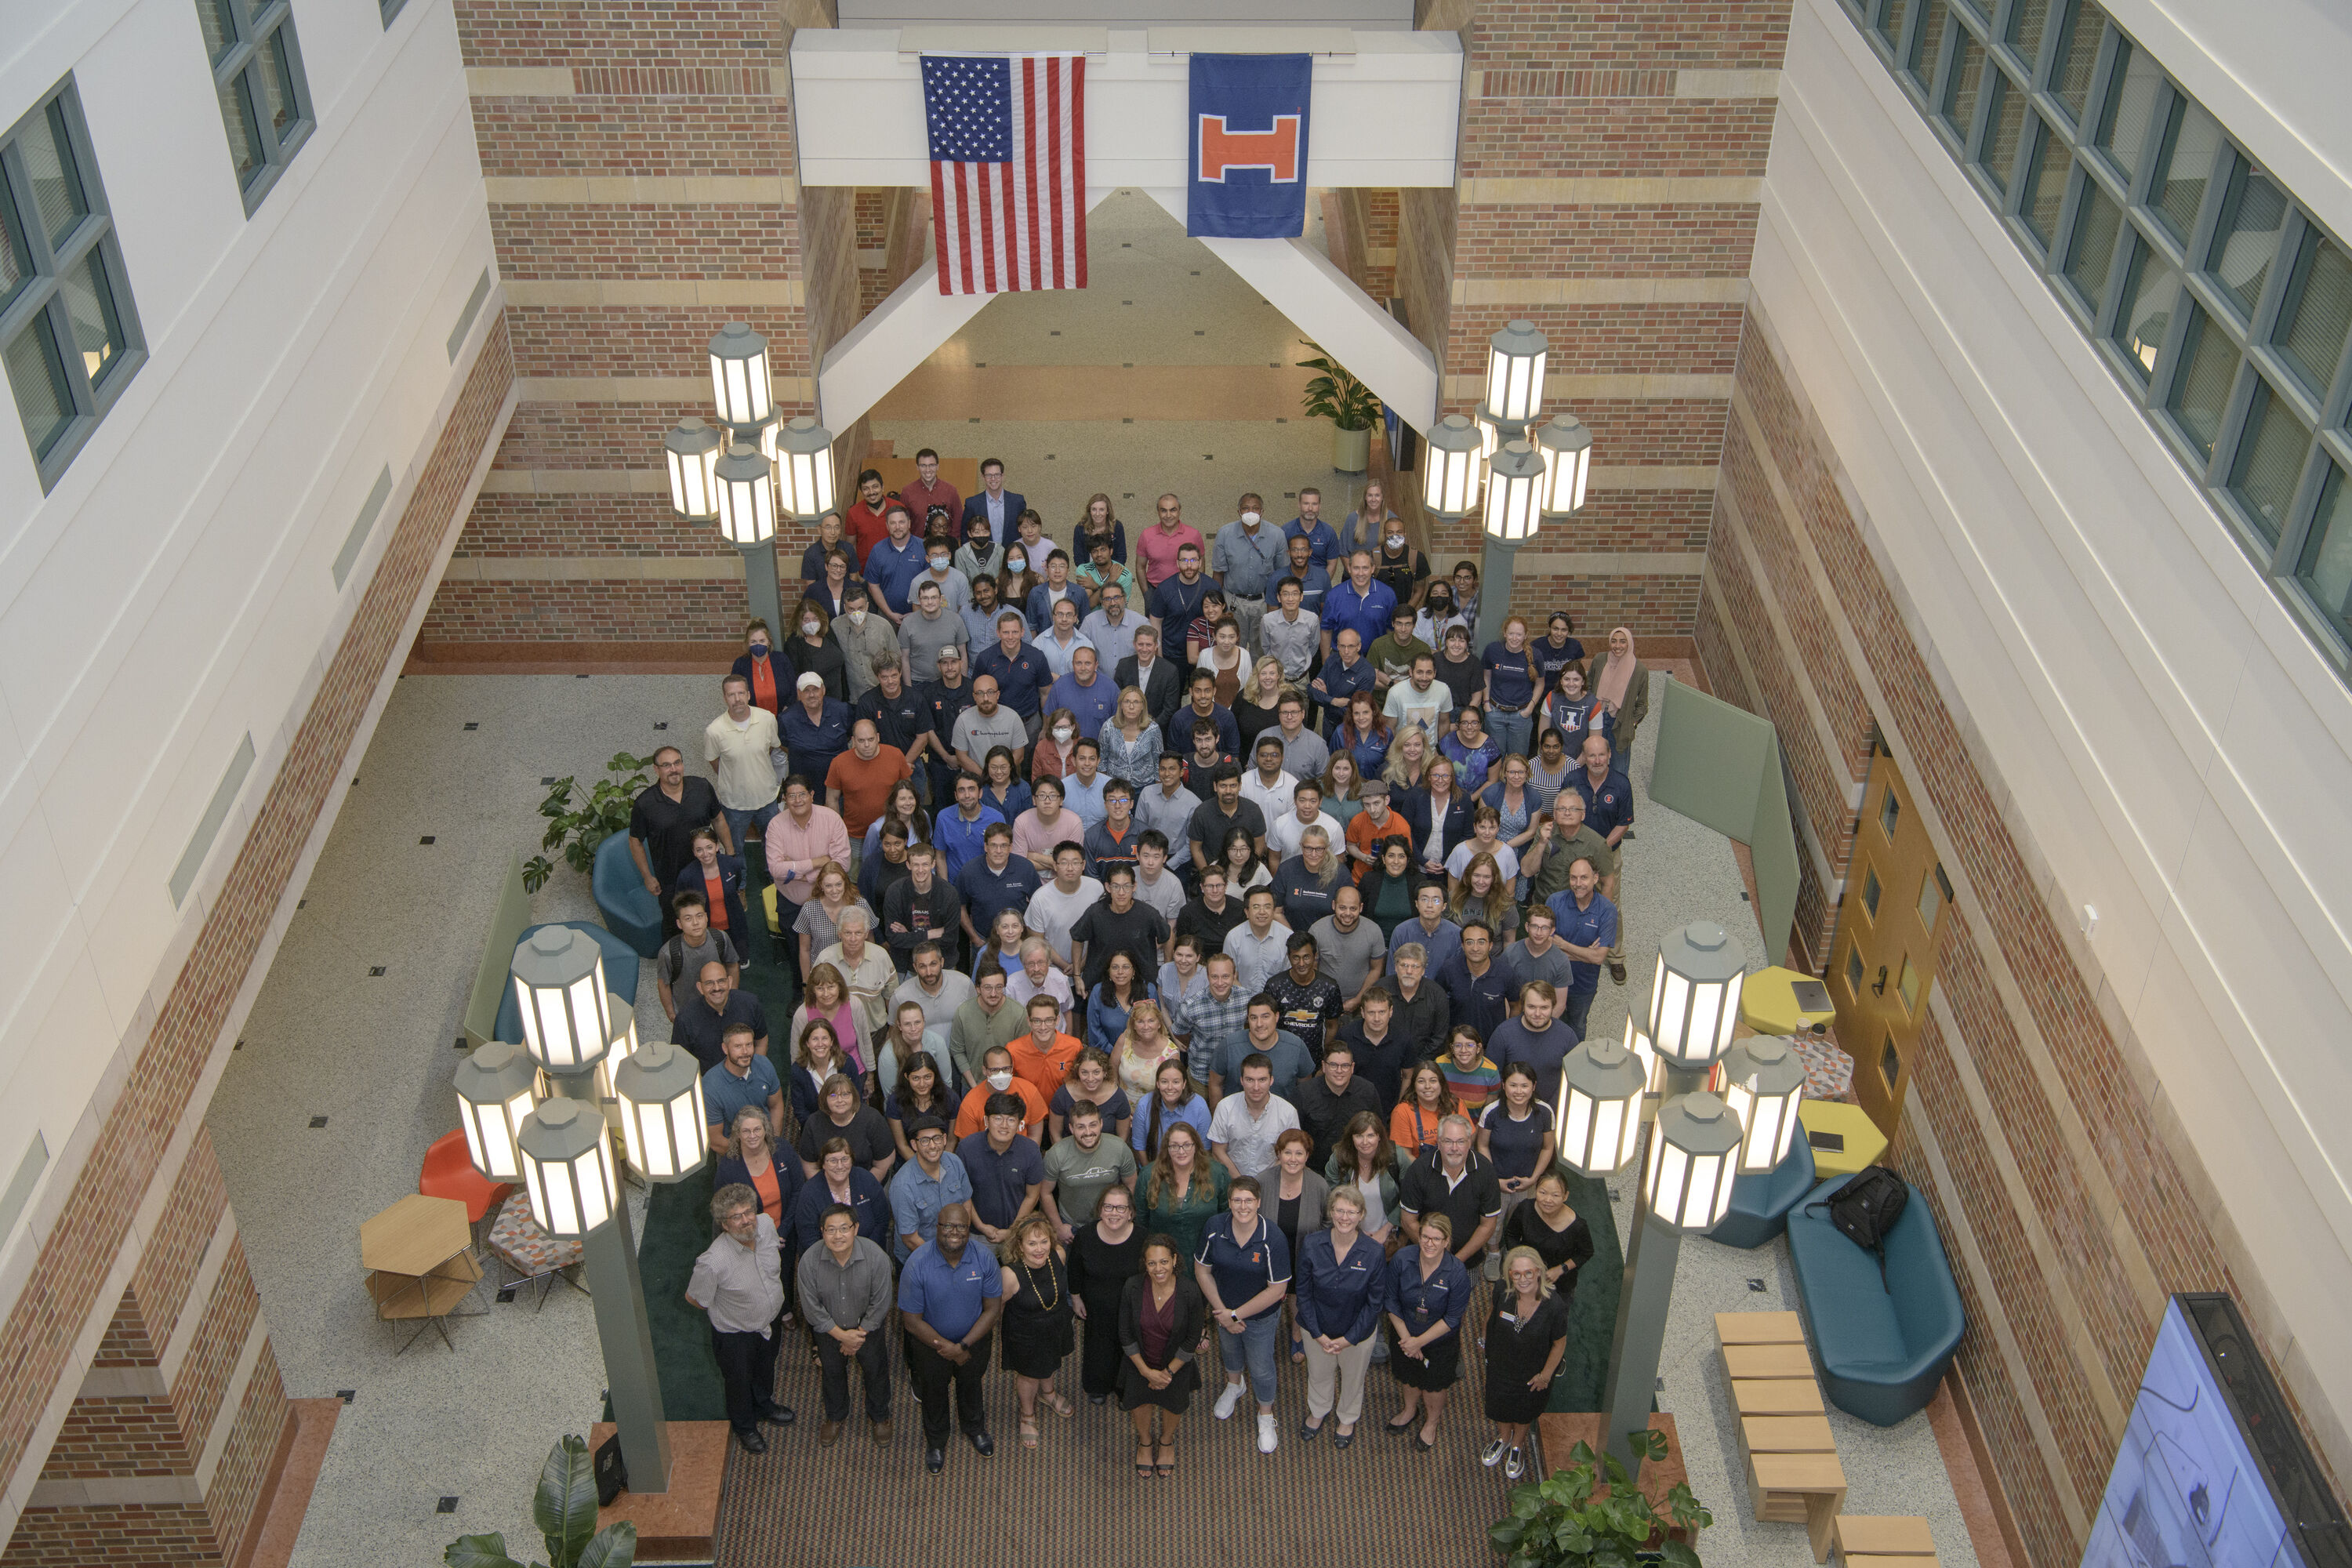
(1890, 1062)
(1870, 893)
(1889, 814)
(257, 71)
(1935, 892)
(1853, 971)
(2225, 307)
(67, 334)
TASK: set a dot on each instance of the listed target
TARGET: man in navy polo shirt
(995, 880)
(1177, 600)
(1310, 526)
(1020, 670)
(1607, 811)
(1588, 926)
(1478, 983)
(950, 1296)
(894, 563)
(1008, 1175)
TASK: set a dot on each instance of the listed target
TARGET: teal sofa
(630, 912)
(621, 966)
(1883, 1347)
(1761, 1204)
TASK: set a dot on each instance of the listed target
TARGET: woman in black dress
(1526, 1336)
(1557, 1234)
(1107, 1252)
(1039, 1312)
(1429, 1294)
(1162, 1315)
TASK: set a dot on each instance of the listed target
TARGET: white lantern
(1599, 1117)
(804, 457)
(1567, 450)
(1490, 437)
(1513, 485)
(567, 1167)
(1695, 994)
(692, 449)
(1450, 472)
(1515, 373)
(739, 375)
(1762, 1082)
(559, 981)
(622, 1046)
(1653, 1066)
(496, 1089)
(662, 1114)
(746, 497)
(1694, 1157)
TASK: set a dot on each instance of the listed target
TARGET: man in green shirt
(1081, 1168)
(1560, 839)
(1392, 655)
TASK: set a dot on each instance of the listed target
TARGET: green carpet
(1593, 1316)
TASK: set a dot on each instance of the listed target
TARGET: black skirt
(1438, 1370)
(1517, 1352)
(1134, 1393)
(1036, 1332)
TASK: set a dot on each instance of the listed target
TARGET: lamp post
(1698, 1144)
(1513, 485)
(1450, 469)
(583, 1040)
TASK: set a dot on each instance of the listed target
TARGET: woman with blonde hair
(1409, 759)
(1037, 1328)
(1097, 522)
(1131, 743)
(1483, 893)
(1527, 1334)
(818, 921)
(1141, 1046)
(1255, 708)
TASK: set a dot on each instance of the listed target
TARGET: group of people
(1187, 953)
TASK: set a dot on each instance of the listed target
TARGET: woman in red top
(770, 673)
(720, 879)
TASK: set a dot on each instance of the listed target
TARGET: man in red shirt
(927, 491)
(864, 520)
(1159, 543)
(859, 784)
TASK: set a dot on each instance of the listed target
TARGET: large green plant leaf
(479, 1551)
(565, 1505)
(615, 1546)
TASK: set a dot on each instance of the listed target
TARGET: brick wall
(167, 1374)
(2025, 1125)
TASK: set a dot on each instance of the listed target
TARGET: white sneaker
(1494, 1454)
(1266, 1438)
(1515, 1466)
(1228, 1402)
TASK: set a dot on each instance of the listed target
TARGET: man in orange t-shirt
(1041, 1058)
(1373, 826)
(859, 783)
(996, 1063)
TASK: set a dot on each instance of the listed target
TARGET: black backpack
(1865, 1211)
(612, 1475)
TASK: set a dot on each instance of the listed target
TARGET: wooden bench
(1787, 1435)
(1759, 1329)
(1799, 1488)
(1883, 1540)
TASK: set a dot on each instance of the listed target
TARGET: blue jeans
(1255, 1346)
(1512, 731)
(1579, 1007)
(741, 822)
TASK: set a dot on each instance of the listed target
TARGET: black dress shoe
(935, 1460)
(982, 1443)
(751, 1439)
(1342, 1439)
(775, 1414)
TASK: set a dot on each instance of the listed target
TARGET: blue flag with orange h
(1248, 131)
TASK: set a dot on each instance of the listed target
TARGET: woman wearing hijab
(1621, 687)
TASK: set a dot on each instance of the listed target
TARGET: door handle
(1879, 987)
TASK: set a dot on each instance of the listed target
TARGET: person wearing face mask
(1246, 558)
(1437, 613)
(998, 1077)
(939, 567)
(1404, 569)
(863, 636)
(813, 650)
(980, 555)
(768, 672)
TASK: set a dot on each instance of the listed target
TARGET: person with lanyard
(1106, 1253)
(1342, 1290)
(739, 1283)
(1244, 1270)
(951, 1294)
(1176, 600)
(1588, 926)
(1527, 1334)
(1428, 1292)
(845, 1294)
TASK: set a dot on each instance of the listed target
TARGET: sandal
(1167, 1460)
(1142, 1459)
(1028, 1431)
(1060, 1405)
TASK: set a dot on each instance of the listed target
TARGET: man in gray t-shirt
(928, 628)
(1082, 1167)
(1352, 954)
(1527, 963)
(976, 731)
(678, 963)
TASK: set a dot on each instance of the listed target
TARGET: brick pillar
(1612, 160)
(165, 1454)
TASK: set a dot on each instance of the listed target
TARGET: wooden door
(1883, 959)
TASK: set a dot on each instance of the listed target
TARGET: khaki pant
(1346, 1370)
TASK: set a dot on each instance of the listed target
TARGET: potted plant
(578, 829)
(1349, 404)
(566, 1511)
(1557, 1523)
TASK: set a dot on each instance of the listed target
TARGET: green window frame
(265, 99)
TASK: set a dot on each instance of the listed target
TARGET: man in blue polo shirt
(1588, 926)
(1359, 605)
(1019, 669)
(934, 1182)
(1607, 811)
(1008, 1173)
(948, 1298)
(1177, 600)
(894, 563)
(996, 880)
(1087, 692)
(959, 830)
(1308, 525)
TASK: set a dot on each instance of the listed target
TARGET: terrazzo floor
(460, 760)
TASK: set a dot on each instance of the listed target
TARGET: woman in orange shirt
(1430, 1101)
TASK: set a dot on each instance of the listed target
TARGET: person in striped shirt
(1468, 1073)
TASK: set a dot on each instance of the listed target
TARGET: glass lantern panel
(1704, 1001)
(1577, 1127)
(1673, 1002)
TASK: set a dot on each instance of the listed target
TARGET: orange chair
(449, 1173)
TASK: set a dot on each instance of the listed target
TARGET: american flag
(1008, 171)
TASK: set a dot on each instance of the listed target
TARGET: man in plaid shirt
(1211, 1019)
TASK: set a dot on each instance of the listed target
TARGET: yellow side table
(1772, 1003)
(1863, 1142)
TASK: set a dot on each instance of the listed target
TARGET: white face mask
(1395, 540)
(808, 628)
(940, 562)
(999, 1081)
(1063, 733)
(856, 618)
(1251, 518)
